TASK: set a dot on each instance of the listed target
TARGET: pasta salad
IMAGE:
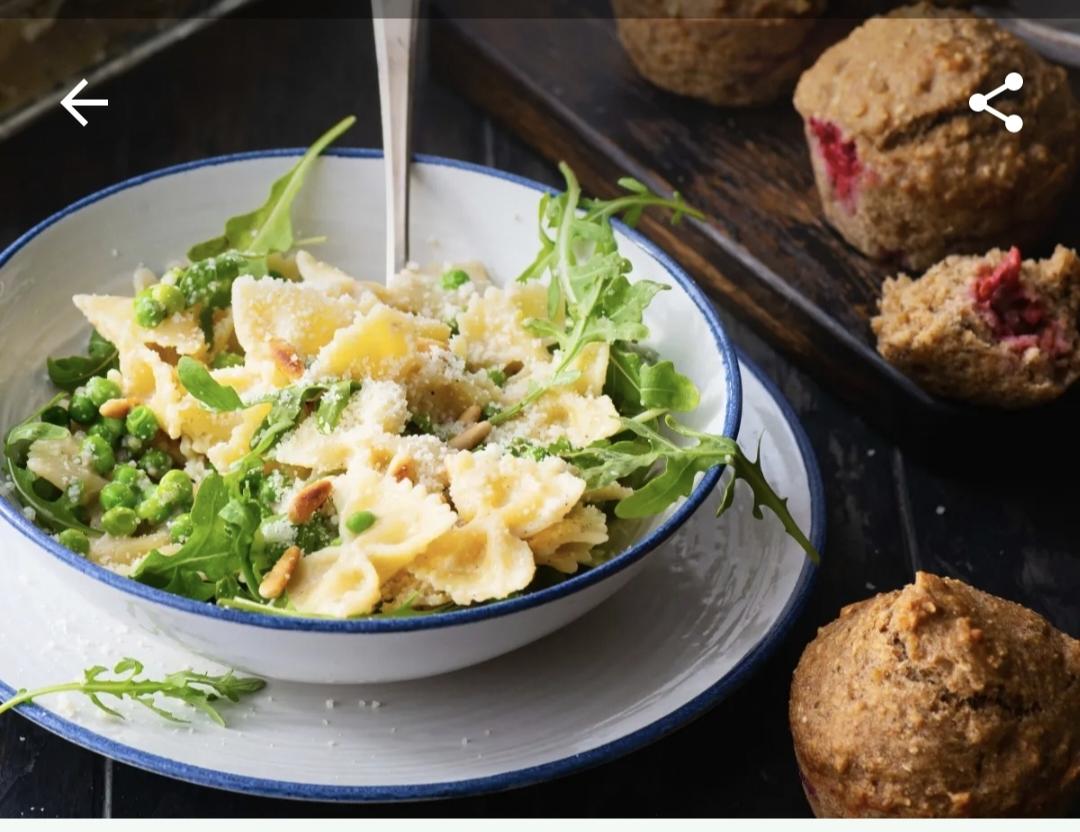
(258, 429)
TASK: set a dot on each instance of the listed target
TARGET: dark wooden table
(1008, 526)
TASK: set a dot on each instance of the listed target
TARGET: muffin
(733, 53)
(993, 330)
(938, 700)
(905, 169)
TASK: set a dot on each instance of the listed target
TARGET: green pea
(226, 359)
(83, 410)
(454, 278)
(180, 528)
(102, 458)
(497, 376)
(118, 494)
(126, 473)
(360, 522)
(148, 312)
(120, 521)
(175, 489)
(56, 415)
(172, 300)
(74, 540)
(142, 423)
(152, 510)
(108, 429)
(100, 390)
(155, 463)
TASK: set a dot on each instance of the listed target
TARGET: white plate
(710, 605)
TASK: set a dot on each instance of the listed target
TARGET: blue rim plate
(12, 513)
(656, 730)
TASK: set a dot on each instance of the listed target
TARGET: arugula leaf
(241, 517)
(197, 380)
(589, 283)
(591, 300)
(283, 415)
(629, 207)
(269, 227)
(624, 301)
(29, 432)
(205, 558)
(623, 382)
(333, 404)
(75, 370)
(58, 514)
(199, 690)
(224, 523)
(663, 387)
(605, 462)
(287, 403)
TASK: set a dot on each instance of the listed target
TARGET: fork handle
(395, 23)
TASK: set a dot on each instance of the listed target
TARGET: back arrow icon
(69, 101)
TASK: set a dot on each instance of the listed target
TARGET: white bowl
(459, 212)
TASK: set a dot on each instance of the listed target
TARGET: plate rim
(517, 778)
(12, 513)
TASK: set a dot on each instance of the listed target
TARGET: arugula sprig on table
(200, 691)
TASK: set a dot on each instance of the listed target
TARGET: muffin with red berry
(732, 53)
(905, 168)
(994, 330)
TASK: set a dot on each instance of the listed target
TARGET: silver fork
(395, 24)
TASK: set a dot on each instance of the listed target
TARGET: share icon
(980, 102)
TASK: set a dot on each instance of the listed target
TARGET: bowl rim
(13, 514)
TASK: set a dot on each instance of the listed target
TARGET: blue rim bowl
(12, 512)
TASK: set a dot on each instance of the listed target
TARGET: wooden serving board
(766, 254)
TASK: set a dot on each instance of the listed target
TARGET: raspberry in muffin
(728, 52)
(993, 330)
(938, 700)
(905, 169)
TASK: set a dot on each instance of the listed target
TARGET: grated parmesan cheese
(279, 530)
